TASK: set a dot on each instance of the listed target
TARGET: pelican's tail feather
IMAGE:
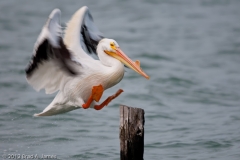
(59, 105)
(56, 109)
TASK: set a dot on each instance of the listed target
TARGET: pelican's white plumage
(63, 65)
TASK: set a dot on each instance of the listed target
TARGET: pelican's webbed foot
(108, 100)
(97, 92)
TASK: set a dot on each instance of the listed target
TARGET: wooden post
(131, 133)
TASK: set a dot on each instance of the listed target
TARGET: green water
(190, 49)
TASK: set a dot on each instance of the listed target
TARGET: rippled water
(191, 50)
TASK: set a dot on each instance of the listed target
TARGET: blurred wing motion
(52, 63)
(82, 30)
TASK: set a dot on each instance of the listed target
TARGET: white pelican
(63, 65)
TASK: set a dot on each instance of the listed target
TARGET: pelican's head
(111, 48)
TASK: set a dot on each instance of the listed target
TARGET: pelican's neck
(114, 68)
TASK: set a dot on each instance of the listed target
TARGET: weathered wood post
(131, 133)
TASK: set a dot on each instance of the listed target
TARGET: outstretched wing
(81, 34)
(51, 65)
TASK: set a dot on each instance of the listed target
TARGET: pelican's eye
(112, 45)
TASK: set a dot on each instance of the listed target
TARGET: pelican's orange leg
(87, 105)
(108, 100)
(97, 92)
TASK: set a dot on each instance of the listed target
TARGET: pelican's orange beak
(121, 56)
